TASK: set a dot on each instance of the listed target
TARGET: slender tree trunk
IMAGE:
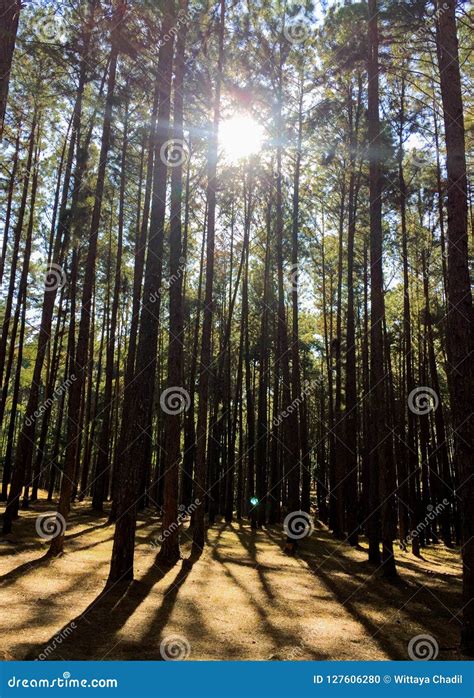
(104, 454)
(170, 545)
(53, 281)
(201, 430)
(189, 425)
(7, 464)
(262, 421)
(253, 509)
(350, 416)
(291, 458)
(79, 364)
(460, 311)
(445, 484)
(11, 189)
(336, 352)
(16, 247)
(381, 490)
(135, 438)
(51, 382)
(12, 507)
(9, 16)
(298, 396)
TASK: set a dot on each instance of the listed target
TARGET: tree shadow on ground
(390, 613)
(248, 539)
(14, 574)
(95, 630)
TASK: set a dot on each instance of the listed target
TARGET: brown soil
(242, 599)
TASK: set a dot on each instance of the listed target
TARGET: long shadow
(376, 594)
(26, 538)
(163, 614)
(85, 531)
(409, 565)
(358, 570)
(139, 543)
(384, 633)
(247, 538)
(280, 637)
(10, 577)
(93, 633)
(26, 567)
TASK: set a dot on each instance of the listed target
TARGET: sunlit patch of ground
(242, 599)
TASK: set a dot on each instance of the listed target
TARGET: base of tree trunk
(169, 557)
(56, 548)
(353, 540)
(196, 553)
(467, 642)
(115, 579)
(389, 569)
(375, 557)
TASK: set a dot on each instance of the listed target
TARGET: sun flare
(239, 137)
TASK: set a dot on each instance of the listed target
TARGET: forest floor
(242, 599)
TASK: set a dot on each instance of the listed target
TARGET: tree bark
(78, 366)
(135, 438)
(460, 311)
(381, 491)
(9, 16)
(170, 545)
(201, 430)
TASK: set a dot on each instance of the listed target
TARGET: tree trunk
(170, 544)
(11, 189)
(460, 311)
(201, 430)
(9, 16)
(381, 490)
(78, 366)
(104, 454)
(135, 438)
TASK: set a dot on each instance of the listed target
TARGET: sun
(239, 137)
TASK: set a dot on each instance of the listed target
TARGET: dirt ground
(242, 599)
